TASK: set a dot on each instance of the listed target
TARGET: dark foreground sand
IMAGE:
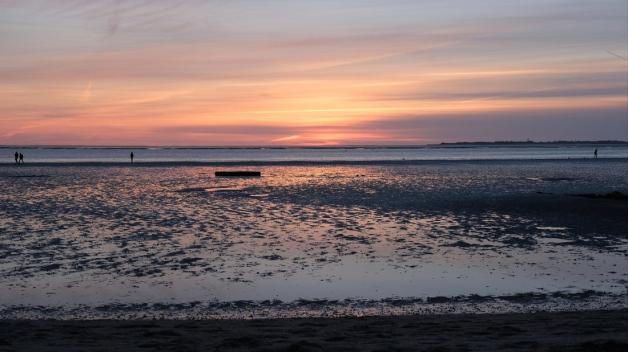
(566, 331)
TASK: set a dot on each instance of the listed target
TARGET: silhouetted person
(595, 153)
(132, 156)
(17, 157)
(21, 158)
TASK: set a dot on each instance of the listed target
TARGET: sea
(299, 154)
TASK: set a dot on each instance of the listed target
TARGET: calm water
(300, 154)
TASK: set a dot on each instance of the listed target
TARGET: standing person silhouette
(21, 158)
(17, 157)
(132, 156)
(595, 153)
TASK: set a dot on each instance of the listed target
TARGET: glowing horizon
(212, 73)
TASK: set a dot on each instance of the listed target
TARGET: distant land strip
(530, 142)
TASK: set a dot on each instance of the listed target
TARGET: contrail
(617, 55)
(625, 59)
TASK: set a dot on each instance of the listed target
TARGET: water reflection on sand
(105, 235)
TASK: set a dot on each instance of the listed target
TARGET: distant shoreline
(527, 143)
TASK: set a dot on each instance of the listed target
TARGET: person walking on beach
(132, 156)
(21, 158)
(17, 157)
(595, 153)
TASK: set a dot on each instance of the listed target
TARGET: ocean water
(127, 241)
(200, 155)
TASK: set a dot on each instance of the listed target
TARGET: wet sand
(353, 258)
(564, 331)
(304, 241)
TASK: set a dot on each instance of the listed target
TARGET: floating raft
(238, 174)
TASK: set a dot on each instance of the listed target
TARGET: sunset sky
(325, 72)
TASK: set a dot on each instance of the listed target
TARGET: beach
(566, 331)
(131, 241)
(347, 253)
(314, 175)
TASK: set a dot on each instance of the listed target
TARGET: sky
(324, 72)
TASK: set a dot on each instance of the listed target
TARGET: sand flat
(565, 331)
(107, 242)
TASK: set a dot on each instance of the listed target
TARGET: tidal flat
(128, 242)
